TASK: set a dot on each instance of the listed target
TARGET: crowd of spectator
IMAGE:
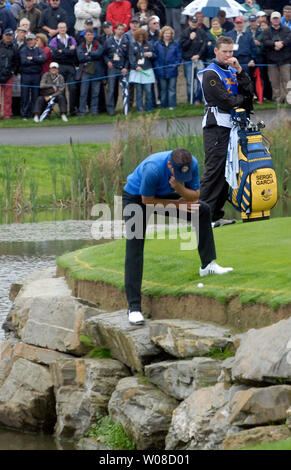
(77, 51)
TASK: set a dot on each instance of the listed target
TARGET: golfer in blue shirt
(163, 178)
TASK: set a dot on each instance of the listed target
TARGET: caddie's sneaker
(214, 268)
(221, 222)
(36, 118)
(64, 118)
(135, 318)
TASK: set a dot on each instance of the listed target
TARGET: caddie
(225, 85)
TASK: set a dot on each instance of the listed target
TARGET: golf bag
(256, 193)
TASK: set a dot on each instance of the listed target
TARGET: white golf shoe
(135, 318)
(214, 268)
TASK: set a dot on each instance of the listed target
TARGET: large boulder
(188, 338)
(128, 343)
(264, 355)
(83, 388)
(201, 422)
(46, 273)
(11, 350)
(56, 323)
(180, 378)
(259, 406)
(26, 398)
(31, 291)
(144, 411)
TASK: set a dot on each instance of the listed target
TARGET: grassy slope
(258, 251)
(276, 445)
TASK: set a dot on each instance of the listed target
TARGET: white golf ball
(200, 285)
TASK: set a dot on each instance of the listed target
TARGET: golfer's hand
(175, 184)
(233, 62)
(189, 205)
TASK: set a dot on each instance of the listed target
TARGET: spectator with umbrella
(193, 43)
(244, 46)
(52, 87)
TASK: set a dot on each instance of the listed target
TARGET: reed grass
(82, 175)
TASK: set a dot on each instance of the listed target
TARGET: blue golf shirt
(151, 177)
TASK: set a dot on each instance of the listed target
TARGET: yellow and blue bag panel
(257, 182)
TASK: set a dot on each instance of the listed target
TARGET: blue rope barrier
(105, 77)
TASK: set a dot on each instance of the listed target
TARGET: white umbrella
(236, 9)
(210, 8)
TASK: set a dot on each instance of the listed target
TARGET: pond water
(27, 243)
(25, 248)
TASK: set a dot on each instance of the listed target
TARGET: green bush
(111, 434)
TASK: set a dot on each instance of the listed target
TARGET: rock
(143, 410)
(34, 276)
(186, 338)
(56, 322)
(129, 344)
(89, 443)
(35, 354)
(6, 357)
(26, 398)
(255, 436)
(180, 378)
(13, 349)
(32, 292)
(264, 355)
(288, 420)
(201, 422)
(256, 406)
(226, 371)
(83, 388)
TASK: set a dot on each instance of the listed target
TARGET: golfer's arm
(192, 196)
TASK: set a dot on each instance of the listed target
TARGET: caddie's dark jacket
(270, 35)
(216, 95)
(197, 46)
(113, 49)
(8, 61)
(33, 66)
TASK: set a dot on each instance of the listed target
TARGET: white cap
(276, 14)
(54, 64)
(261, 13)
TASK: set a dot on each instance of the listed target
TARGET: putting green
(259, 252)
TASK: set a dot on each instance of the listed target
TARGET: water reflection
(25, 248)
(13, 440)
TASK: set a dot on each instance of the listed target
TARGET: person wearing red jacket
(119, 11)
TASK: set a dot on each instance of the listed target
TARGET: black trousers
(41, 104)
(213, 186)
(135, 246)
(29, 93)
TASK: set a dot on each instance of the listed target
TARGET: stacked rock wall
(162, 381)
